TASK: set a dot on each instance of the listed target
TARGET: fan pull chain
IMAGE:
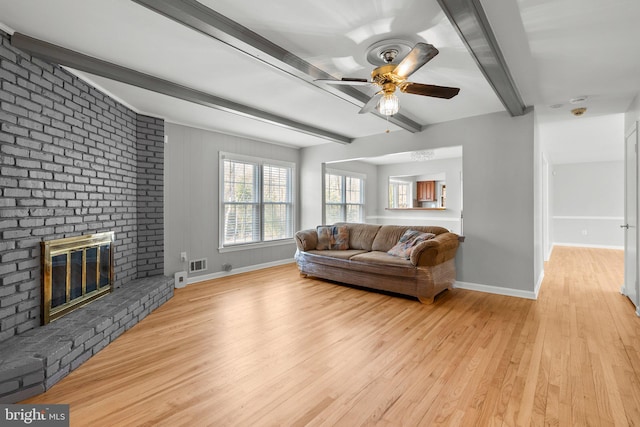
(387, 131)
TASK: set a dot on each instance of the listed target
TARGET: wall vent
(197, 265)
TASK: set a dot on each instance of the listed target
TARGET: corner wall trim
(496, 290)
(536, 290)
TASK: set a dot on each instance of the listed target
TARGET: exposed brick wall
(150, 202)
(72, 161)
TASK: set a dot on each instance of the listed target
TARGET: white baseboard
(584, 245)
(204, 278)
(461, 285)
(497, 290)
(623, 291)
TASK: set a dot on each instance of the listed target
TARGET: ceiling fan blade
(346, 81)
(419, 55)
(430, 90)
(371, 103)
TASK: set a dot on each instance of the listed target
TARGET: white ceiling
(413, 156)
(556, 50)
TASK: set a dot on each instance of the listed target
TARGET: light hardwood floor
(271, 348)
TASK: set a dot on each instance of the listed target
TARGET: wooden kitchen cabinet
(426, 191)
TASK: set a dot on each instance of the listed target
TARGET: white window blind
(256, 201)
(277, 207)
(241, 203)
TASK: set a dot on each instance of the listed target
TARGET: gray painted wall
(191, 199)
(588, 198)
(498, 174)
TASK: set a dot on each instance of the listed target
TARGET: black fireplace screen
(75, 271)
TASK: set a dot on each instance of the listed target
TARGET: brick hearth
(32, 362)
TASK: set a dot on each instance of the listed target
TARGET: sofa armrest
(306, 240)
(435, 251)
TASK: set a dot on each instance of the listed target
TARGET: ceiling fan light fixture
(391, 77)
(388, 104)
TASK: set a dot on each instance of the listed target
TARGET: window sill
(260, 245)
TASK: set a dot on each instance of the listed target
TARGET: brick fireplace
(73, 162)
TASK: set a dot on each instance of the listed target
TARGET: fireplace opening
(75, 271)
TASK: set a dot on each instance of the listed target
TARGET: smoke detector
(578, 111)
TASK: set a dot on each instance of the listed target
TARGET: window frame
(344, 175)
(260, 163)
(394, 193)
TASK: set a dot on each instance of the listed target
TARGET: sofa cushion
(324, 256)
(361, 236)
(383, 258)
(332, 237)
(389, 235)
(407, 242)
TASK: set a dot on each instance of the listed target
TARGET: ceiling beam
(81, 62)
(197, 16)
(472, 25)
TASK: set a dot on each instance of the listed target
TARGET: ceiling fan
(390, 77)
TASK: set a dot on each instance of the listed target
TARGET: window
(344, 197)
(399, 194)
(256, 200)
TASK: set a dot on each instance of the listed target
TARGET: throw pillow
(407, 242)
(333, 237)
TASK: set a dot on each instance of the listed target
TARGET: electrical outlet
(585, 232)
(183, 256)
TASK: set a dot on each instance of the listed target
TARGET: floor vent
(197, 265)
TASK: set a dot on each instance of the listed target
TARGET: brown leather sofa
(429, 270)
